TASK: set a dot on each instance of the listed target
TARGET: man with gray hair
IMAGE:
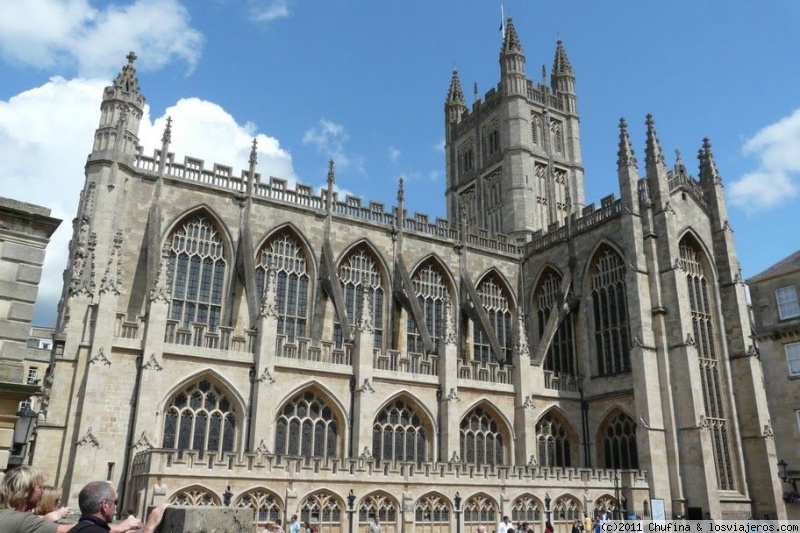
(98, 501)
(481, 529)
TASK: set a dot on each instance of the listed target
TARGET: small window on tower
(557, 136)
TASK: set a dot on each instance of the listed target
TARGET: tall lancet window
(307, 427)
(200, 417)
(610, 309)
(553, 443)
(196, 270)
(495, 302)
(702, 308)
(359, 273)
(560, 357)
(431, 292)
(481, 439)
(291, 268)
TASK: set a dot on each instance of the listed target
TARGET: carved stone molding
(143, 443)
(366, 387)
(265, 377)
(453, 396)
(89, 439)
(152, 364)
(100, 358)
(161, 290)
(262, 449)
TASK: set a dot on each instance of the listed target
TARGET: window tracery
(398, 434)
(526, 509)
(553, 443)
(323, 510)
(288, 259)
(610, 309)
(482, 442)
(201, 418)
(267, 506)
(480, 510)
(432, 514)
(358, 273)
(306, 427)
(619, 443)
(495, 301)
(195, 496)
(560, 357)
(431, 292)
(381, 505)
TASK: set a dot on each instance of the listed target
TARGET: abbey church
(226, 339)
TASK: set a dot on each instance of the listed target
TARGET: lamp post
(226, 496)
(351, 501)
(457, 502)
(23, 428)
(783, 473)
(547, 501)
(616, 495)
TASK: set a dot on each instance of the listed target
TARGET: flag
(502, 22)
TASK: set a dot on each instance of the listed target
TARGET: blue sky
(364, 82)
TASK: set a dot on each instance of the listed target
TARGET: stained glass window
(480, 510)
(200, 418)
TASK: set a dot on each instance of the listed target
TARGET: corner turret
(512, 63)
(562, 79)
(121, 111)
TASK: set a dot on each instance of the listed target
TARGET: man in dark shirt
(98, 501)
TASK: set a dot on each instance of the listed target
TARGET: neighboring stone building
(224, 336)
(776, 313)
(25, 230)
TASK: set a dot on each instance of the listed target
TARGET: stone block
(11, 371)
(29, 274)
(20, 311)
(19, 253)
(202, 519)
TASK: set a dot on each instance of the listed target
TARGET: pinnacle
(331, 173)
(166, 138)
(511, 40)
(400, 191)
(254, 153)
(625, 155)
(561, 66)
(708, 167)
(455, 95)
(126, 79)
(653, 154)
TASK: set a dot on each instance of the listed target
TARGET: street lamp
(23, 428)
(616, 495)
(783, 473)
(226, 496)
(457, 502)
(547, 501)
(351, 501)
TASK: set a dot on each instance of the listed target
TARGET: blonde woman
(48, 506)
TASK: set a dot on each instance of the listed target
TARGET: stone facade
(25, 230)
(776, 314)
(227, 335)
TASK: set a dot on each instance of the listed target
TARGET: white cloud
(394, 154)
(268, 10)
(329, 138)
(50, 33)
(47, 132)
(774, 181)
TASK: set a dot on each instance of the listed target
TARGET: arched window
(495, 302)
(431, 292)
(560, 357)
(619, 443)
(702, 309)
(566, 510)
(382, 505)
(606, 505)
(526, 509)
(480, 510)
(322, 509)
(201, 418)
(398, 434)
(432, 514)
(195, 496)
(291, 275)
(196, 269)
(306, 427)
(267, 506)
(553, 443)
(610, 306)
(481, 439)
(358, 273)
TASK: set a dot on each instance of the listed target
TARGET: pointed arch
(366, 242)
(195, 494)
(381, 504)
(207, 373)
(208, 211)
(606, 278)
(199, 252)
(502, 280)
(400, 433)
(566, 509)
(690, 233)
(485, 435)
(556, 440)
(500, 307)
(616, 440)
(480, 509)
(441, 264)
(323, 508)
(432, 513)
(203, 414)
(288, 253)
(607, 505)
(267, 505)
(433, 284)
(526, 508)
(561, 357)
(310, 423)
(362, 271)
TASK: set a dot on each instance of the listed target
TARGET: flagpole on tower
(502, 22)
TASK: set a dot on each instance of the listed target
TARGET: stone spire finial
(449, 322)
(365, 324)
(269, 300)
(331, 174)
(401, 195)
(455, 95)
(511, 40)
(253, 155)
(166, 138)
(522, 337)
(625, 154)
(561, 66)
(708, 167)
(653, 154)
(161, 290)
(126, 79)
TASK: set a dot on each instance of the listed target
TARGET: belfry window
(610, 307)
(560, 358)
(431, 292)
(398, 434)
(201, 418)
(481, 439)
(196, 269)
(359, 274)
(286, 255)
(306, 427)
(495, 303)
